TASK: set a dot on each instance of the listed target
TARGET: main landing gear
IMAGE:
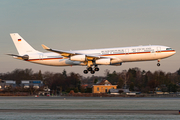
(92, 71)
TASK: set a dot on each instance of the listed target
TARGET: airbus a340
(90, 58)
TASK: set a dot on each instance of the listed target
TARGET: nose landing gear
(158, 64)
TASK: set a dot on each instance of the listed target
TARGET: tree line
(145, 81)
(133, 79)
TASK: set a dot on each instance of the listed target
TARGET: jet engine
(108, 61)
(103, 61)
(78, 58)
(117, 64)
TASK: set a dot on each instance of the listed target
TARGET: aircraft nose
(173, 52)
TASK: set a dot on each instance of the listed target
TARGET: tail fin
(21, 45)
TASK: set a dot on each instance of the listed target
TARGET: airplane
(91, 58)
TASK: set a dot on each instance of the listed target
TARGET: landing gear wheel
(96, 69)
(85, 71)
(158, 64)
(89, 69)
(92, 72)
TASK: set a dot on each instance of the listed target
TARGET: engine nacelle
(115, 61)
(117, 64)
(78, 58)
(108, 61)
(103, 61)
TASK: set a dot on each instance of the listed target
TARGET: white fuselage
(124, 54)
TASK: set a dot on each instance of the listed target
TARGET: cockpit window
(168, 48)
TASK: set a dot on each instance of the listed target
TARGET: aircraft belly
(57, 62)
(145, 57)
(163, 55)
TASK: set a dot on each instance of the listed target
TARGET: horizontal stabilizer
(14, 55)
(24, 57)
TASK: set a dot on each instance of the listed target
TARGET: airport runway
(98, 108)
(158, 112)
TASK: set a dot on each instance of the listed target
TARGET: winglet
(45, 47)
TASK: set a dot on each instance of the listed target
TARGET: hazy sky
(86, 24)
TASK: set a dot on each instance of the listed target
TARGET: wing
(71, 53)
(61, 52)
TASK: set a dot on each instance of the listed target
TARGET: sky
(90, 24)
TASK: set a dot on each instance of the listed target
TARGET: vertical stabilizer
(21, 45)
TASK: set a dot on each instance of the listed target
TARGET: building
(45, 92)
(7, 84)
(103, 87)
(84, 86)
(31, 83)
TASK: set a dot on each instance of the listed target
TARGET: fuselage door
(158, 50)
(126, 51)
(40, 56)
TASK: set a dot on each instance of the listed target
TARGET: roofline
(104, 85)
